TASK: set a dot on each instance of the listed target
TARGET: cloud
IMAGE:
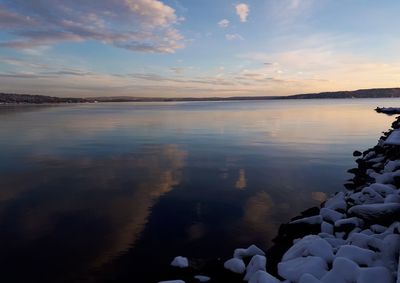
(294, 4)
(242, 10)
(223, 23)
(139, 25)
(234, 36)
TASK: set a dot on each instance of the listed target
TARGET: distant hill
(37, 99)
(40, 99)
(361, 93)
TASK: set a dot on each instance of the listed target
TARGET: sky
(197, 48)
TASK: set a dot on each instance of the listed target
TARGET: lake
(115, 191)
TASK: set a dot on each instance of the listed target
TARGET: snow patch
(180, 261)
(235, 265)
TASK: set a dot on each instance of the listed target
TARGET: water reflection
(241, 183)
(83, 213)
(90, 192)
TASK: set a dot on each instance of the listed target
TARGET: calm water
(105, 190)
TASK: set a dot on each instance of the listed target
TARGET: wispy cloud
(223, 23)
(242, 10)
(234, 36)
(140, 25)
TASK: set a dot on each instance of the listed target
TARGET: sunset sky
(197, 48)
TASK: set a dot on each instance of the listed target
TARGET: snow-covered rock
(250, 251)
(235, 265)
(393, 138)
(327, 228)
(202, 278)
(384, 178)
(369, 195)
(359, 255)
(293, 269)
(311, 245)
(349, 269)
(376, 228)
(335, 242)
(390, 249)
(383, 189)
(375, 274)
(330, 215)
(257, 262)
(308, 278)
(263, 277)
(376, 211)
(337, 202)
(349, 222)
(393, 198)
(362, 240)
(391, 165)
(180, 261)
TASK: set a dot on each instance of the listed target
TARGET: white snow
(343, 270)
(362, 240)
(327, 228)
(393, 198)
(369, 155)
(308, 278)
(384, 178)
(375, 274)
(263, 277)
(330, 215)
(390, 250)
(337, 202)
(202, 278)
(235, 265)
(359, 255)
(376, 228)
(293, 269)
(376, 211)
(180, 261)
(349, 221)
(369, 195)
(257, 262)
(383, 189)
(393, 138)
(334, 242)
(250, 251)
(391, 165)
(377, 159)
(347, 268)
(310, 245)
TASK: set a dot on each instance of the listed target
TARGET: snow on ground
(180, 261)
(235, 265)
(202, 278)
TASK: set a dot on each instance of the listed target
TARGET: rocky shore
(353, 237)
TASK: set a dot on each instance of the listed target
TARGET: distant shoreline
(22, 99)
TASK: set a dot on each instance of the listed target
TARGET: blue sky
(197, 48)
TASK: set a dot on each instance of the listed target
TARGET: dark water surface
(117, 190)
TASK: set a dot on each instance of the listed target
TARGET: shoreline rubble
(353, 237)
